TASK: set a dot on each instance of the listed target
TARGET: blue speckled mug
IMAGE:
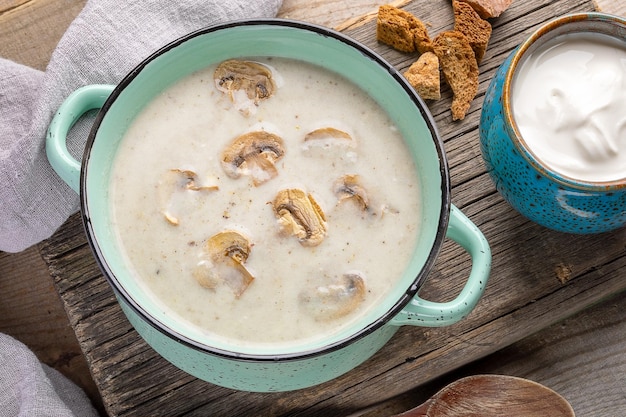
(539, 193)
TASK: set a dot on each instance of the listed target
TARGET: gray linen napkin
(104, 43)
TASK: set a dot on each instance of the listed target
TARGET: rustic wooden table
(539, 277)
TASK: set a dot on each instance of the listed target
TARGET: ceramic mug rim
(368, 328)
(546, 32)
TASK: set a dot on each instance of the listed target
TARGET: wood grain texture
(555, 355)
(32, 312)
(583, 361)
(31, 29)
(20, 316)
(524, 294)
(329, 13)
(582, 358)
(335, 14)
(616, 7)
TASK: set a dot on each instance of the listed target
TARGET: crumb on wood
(563, 272)
(596, 6)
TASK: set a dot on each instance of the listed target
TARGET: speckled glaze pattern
(260, 375)
(544, 196)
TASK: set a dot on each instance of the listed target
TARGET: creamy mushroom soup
(265, 202)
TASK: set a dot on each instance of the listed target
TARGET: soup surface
(269, 217)
(568, 102)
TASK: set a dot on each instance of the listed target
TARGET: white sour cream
(569, 103)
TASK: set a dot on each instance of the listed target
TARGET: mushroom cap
(328, 137)
(327, 133)
(228, 251)
(300, 215)
(252, 78)
(229, 243)
(349, 187)
(253, 153)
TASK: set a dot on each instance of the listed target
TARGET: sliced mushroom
(174, 182)
(228, 251)
(327, 133)
(254, 154)
(326, 137)
(349, 187)
(229, 244)
(337, 299)
(246, 83)
(300, 215)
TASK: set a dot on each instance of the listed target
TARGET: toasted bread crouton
(421, 38)
(423, 75)
(401, 30)
(489, 8)
(460, 69)
(393, 28)
(476, 30)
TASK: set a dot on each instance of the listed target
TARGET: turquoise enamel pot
(539, 193)
(263, 369)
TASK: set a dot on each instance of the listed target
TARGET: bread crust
(488, 9)
(401, 30)
(476, 29)
(424, 76)
(460, 69)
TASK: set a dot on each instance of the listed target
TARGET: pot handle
(75, 105)
(420, 312)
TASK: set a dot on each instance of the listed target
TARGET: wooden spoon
(491, 396)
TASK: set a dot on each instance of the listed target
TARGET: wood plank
(523, 295)
(336, 14)
(31, 29)
(616, 7)
(581, 358)
(21, 22)
(566, 354)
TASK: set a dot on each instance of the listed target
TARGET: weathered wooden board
(582, 358)
(524, 294)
